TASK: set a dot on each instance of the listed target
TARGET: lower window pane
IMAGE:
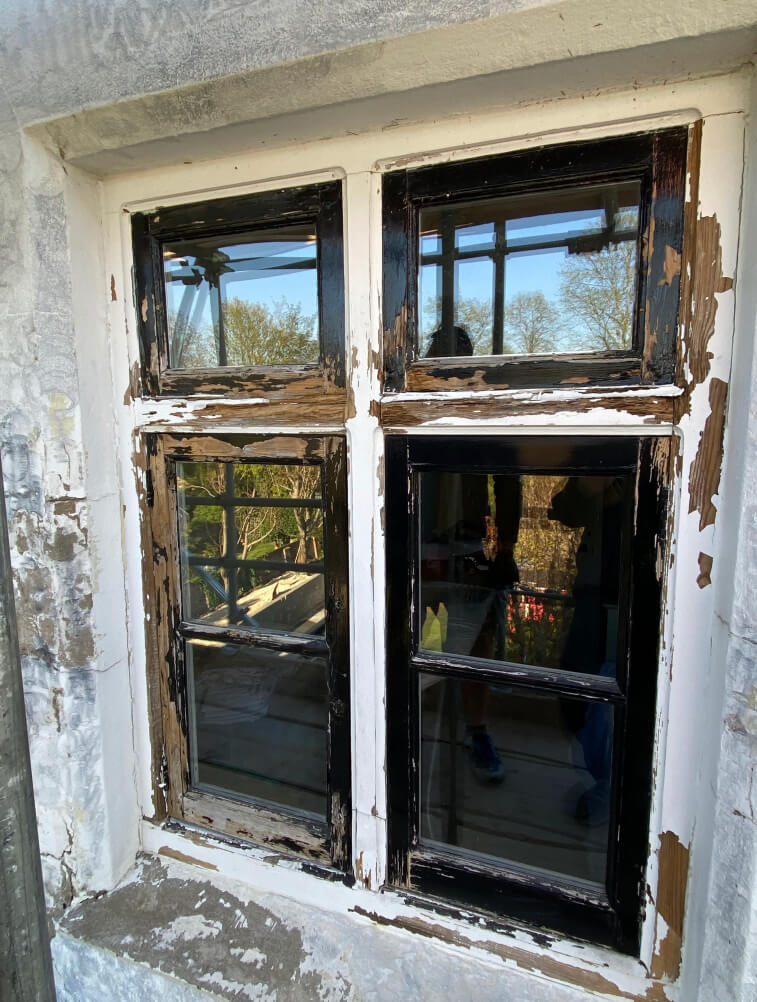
(258, 724)
(519, 776)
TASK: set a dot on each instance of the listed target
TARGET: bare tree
(473, 315)
(532, 324)
(303, 482)
(597, 295)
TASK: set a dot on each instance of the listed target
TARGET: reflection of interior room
(520, 571)
(259, 723)
(531, 818)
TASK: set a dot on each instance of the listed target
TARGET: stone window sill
(183, 932)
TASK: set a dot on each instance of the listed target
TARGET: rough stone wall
(40, 438)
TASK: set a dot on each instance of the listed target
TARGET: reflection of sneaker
(484, 758)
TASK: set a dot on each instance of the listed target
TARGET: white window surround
(684, 718)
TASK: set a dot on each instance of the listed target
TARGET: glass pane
(560, 276)
(251, 544)
(430, 306)
(515, 775)
(474, 302)
(258, 724)
(523, 569)
(242, 299)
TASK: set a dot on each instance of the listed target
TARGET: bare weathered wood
(401, 411)
(26, 971)
(279, 830)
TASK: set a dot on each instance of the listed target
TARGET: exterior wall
(67, 420)
(728, 940)
(57, 482)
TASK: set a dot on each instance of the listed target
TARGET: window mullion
(365, 494)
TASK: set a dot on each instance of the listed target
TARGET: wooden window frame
(325, 845)
(317, 204)
(453, 876)
(657, 160)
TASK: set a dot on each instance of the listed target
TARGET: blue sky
(525, 270)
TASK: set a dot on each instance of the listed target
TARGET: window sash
(319, 205)
(241, 817)
(657, 160)
(507, 889)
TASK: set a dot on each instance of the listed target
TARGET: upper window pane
(243, 299)
(547, 273)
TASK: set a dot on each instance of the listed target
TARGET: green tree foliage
(260, 335)
(254, 334)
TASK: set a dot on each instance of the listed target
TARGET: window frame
(326, 845)
(453, 876)
(316, 204)
(656, 159)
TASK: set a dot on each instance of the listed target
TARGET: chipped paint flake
(704, 475)
(705, 570)
(672, 265)
(673, 862)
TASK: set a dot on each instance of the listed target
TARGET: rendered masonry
(94, 94)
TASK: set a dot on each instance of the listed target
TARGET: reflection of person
(596, 504)
(468, 533)
(454, 341)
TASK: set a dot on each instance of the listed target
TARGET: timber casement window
(522, 654)
(550, 267)
(524, 573)
(243, 295)
(249, 612)
(246, 581)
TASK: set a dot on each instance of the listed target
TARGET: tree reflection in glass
(251, 538)
(532, 274)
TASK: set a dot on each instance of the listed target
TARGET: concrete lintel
(551, 51)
